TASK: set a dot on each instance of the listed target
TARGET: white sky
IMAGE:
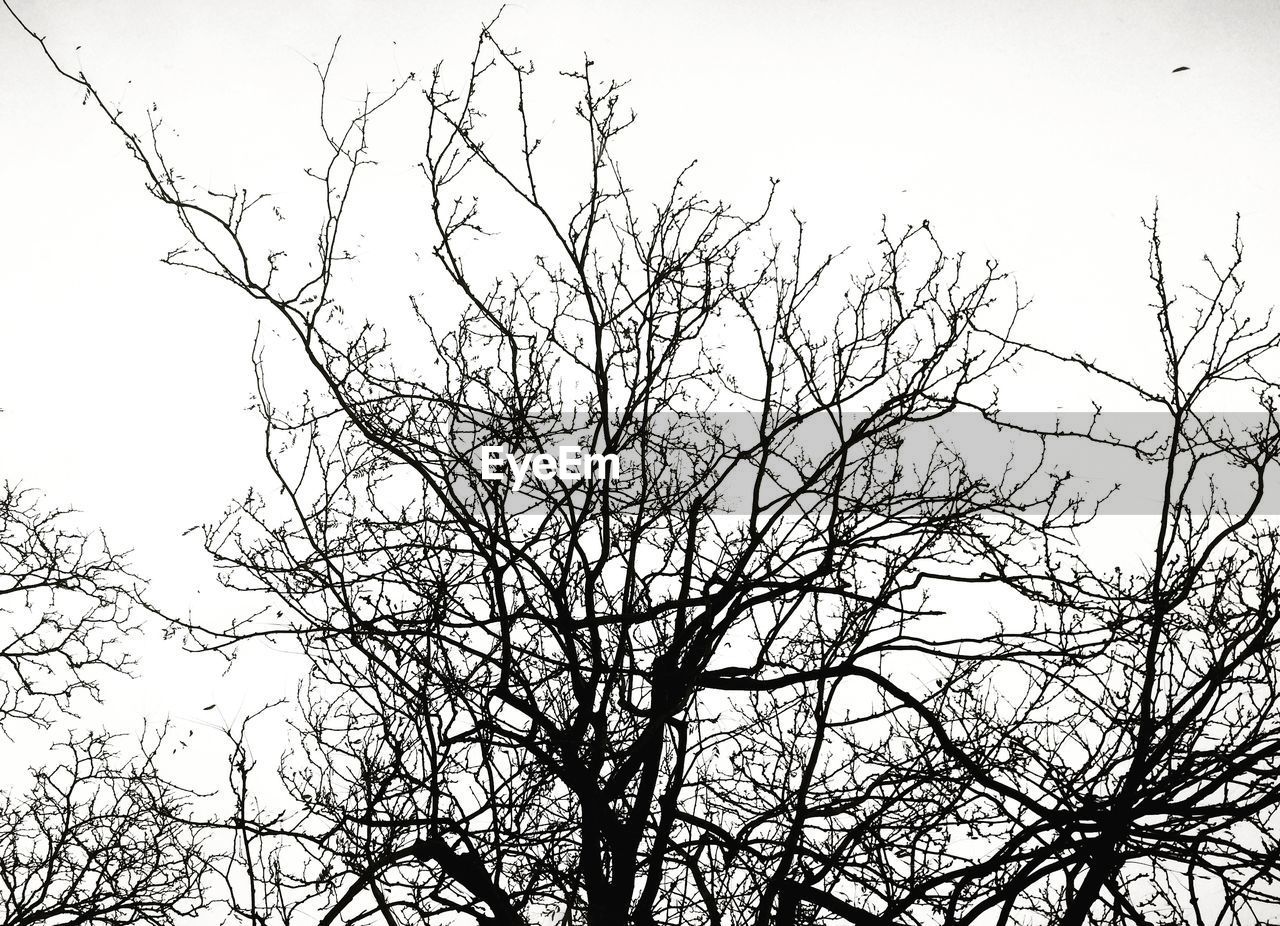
(1035, 132)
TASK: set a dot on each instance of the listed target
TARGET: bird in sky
(1182, 68)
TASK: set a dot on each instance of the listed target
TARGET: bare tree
(98, 836)
(1146, 740)
(735, 675)
(98, 839)
(66, 600)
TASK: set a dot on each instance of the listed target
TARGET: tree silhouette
(98, 838)
(66, 599)
(98, 835)
(783, 662)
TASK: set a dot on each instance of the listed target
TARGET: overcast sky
(1038, 133)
